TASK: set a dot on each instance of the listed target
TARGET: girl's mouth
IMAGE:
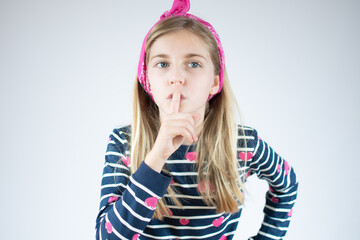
(181, 97)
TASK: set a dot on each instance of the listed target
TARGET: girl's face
(181, 57)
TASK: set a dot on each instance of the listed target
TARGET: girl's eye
(194, 65)
(162, 64)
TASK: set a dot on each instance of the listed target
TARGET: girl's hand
(175, 128)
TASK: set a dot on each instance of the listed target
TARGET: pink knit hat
(179, 8)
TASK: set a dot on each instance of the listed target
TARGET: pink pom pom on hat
(179, 8)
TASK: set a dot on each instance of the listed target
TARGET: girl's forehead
(179, 43)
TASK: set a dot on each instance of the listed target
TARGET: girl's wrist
(154, 161)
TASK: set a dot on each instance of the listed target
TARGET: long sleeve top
(128, 201)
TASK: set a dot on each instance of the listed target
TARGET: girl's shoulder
(122, 132)
(246, 134)
(247, 129)
(126, 128)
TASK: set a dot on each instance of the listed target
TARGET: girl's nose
(177, 76)
(173, 82)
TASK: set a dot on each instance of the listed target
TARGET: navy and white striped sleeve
(282, 193)
(127, 202)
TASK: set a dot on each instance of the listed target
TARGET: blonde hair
(216, 148)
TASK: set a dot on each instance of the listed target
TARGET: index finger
(175, 101)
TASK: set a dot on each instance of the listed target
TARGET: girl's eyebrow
(189, 55)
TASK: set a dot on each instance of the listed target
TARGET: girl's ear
(215, 87)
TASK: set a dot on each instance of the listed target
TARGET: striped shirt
(128, 202)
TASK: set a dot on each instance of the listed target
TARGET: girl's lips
(171, 95)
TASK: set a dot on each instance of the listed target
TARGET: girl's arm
(127, 202)
(282, 193)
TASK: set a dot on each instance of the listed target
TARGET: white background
(66, 77)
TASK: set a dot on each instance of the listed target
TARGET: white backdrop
(66, 75)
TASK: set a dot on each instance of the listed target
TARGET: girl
(178, 171)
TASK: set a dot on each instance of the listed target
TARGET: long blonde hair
(216, 148)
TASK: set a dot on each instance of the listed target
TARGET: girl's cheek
(155, 75)
(161, 72)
